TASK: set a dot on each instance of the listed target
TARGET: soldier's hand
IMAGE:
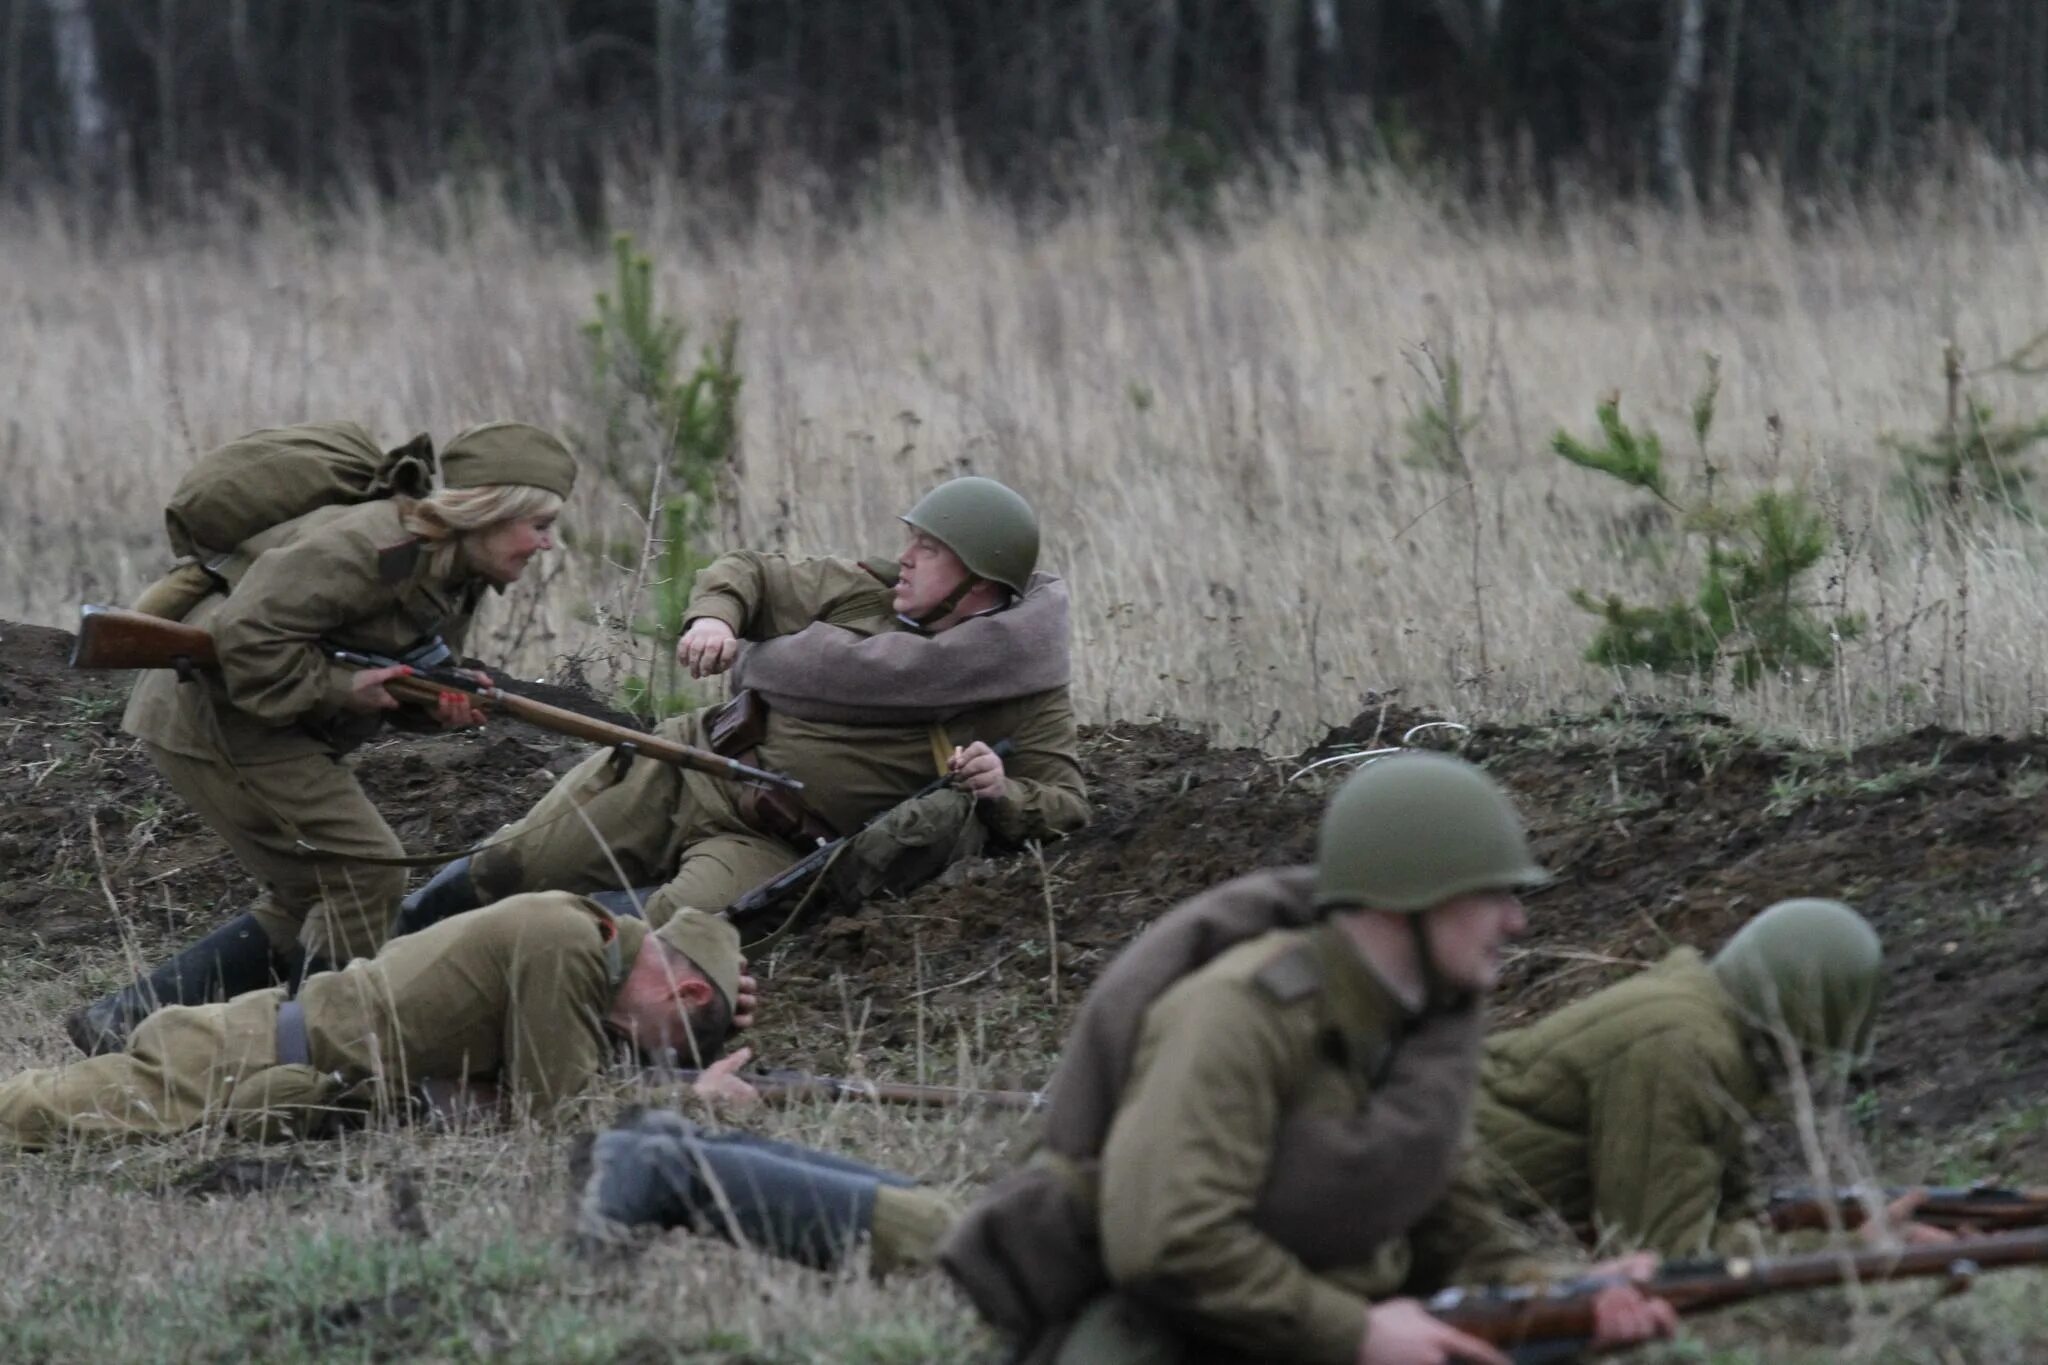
(721, 1083)
(366, 689)
(1624, 1315)
(1897, 1226)
(1401, 1332)
(708, 647)
(457, 710)
(744, 1008)
(980, 770)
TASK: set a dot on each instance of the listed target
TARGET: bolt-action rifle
(799, 876)
(1543, 1323)
(797, 1087)
(111, 637)
(1979, 1207)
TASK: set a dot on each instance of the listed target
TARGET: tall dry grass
(1212, 422)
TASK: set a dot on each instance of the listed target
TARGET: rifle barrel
(1979, 1207)
(427, 690)
(784, 1087)
(1540, 1314)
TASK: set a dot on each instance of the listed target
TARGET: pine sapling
(1748, 614)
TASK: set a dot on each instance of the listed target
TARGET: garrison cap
(508, 453)
(712, 943)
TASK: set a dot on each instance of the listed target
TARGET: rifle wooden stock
(1541, 1317)
(790, 1087)
(1972, 1208)
(111, 637)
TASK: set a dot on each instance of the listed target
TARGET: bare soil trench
(1663, 829)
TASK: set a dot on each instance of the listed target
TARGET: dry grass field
(1216, 425)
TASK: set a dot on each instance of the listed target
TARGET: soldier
(1627, 1112)
(521, 995)
(256, 747)
(865, 680)
(1253, 1144)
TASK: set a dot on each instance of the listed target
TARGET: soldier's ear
(694, 991)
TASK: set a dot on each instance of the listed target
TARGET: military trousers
(601, 828)
(325, 904)
(185, 1066)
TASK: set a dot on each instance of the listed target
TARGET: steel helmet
(1415, 829)
(1814, 965)
(987, 524)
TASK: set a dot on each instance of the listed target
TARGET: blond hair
(444, 519)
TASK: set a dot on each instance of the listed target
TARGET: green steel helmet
(987, 524)
(1415, 829)
(1815, 964)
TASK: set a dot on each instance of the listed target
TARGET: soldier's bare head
(668, 1001)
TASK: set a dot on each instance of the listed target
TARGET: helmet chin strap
(947, 607)
(1436, 993)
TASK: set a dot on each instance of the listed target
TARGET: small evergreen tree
(1972, 456)
(1747, 614)
(636, 355)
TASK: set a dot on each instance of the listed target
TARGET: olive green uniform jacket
(1629, 1112)
(256, 747)
(1274, 1164)
(656, 823)
(514, 994)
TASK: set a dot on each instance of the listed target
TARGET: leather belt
(292, 1047)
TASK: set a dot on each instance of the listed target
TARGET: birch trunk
(78, 72)
(1674, 174)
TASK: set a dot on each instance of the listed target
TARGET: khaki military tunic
(256, 749)
(657, 823)
(515, 994)
(1629, 1111)
(1288, 1025)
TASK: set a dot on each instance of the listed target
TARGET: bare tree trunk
(1282, 82)
(10, 89)
(1721, 148)
(1674, 112)
(671, 78)
(1110, 105)
(78, 71)
(710, 93)
(163, 59)
(1159, 59)
(434, 82)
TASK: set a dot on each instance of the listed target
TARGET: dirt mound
(1664, 830)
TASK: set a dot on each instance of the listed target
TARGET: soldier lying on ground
(1629, 1112)
(1252, 1150)
(864, 681)
(256, 748)
(524, 995)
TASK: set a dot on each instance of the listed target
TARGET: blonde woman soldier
(256, 747)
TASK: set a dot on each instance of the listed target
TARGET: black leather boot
(234, 958)
(658, 1169)
(448, 892)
